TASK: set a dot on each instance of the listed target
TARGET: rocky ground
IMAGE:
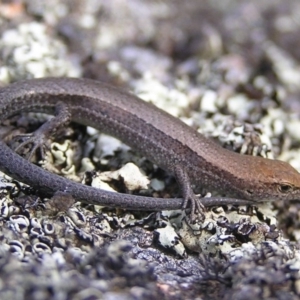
(231, 70)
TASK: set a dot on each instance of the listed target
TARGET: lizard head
(274, 180)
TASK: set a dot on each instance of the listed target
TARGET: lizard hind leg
(39, 139)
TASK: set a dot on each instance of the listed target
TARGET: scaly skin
(192, 158)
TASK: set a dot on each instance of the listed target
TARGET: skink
(195, 161)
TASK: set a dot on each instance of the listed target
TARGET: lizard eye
(284, 188)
